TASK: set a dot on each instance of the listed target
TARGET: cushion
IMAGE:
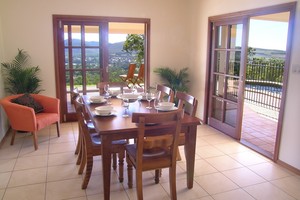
(28, 100)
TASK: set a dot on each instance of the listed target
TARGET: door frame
(58, 58)
(287, 7)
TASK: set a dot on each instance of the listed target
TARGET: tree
(135, 43)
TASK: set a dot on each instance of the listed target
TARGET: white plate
(110, 114)
(160, 109)
(97, 101)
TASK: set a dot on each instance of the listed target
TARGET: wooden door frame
(287, 7)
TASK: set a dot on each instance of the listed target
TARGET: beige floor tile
(79, 198)
(291, 185)
(249, 158)
(4, 178)
(7, 165)
(2, 191)
(267, 191)
(63, 138)
(62, 147)
(28, 177)
(62, 158)
(201, 167)
(206, 198)
(122, 195)
(183, 192)
(216, 139)
(243, 177)
(65, 189)
(237, 194)
(223, 163)
(28, 192)
(31, 162)
(208, 151)
(270, 171)
(215, 183)
(10, 152)
(43, 149)
(231, 147)
(62, 172)
(150, 192)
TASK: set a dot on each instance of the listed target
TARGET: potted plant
(178, 81)
(19, 76)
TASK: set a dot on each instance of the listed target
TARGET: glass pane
(236, 36)
(76, 35)
(220, 61)
(76, 59)
(68, 81)
(217, 109)
(67, 64)
(234, 63)
(232, 89)
(92, 58)
(221, 36)
(230, 114)
(91, 35)
(66, 35)
(92, 79)
(219, 85)
(77, 80)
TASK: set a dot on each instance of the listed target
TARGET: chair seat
(45, 119)
(97, 140)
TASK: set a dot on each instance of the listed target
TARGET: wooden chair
(165, 91)
(129, 77)
(117, 85)
(139, 78)
(92, 147)
(160, 156)
(24, 118)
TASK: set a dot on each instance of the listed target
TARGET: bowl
(96, 99)
(104, 110)
(166, 105)
(131, 97)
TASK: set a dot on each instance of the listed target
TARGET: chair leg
(35, 142)
(121, 165)
(139, 184)
(78, 143)
(83, 160)
(13, 137)
(88, 171)
(129, 173)
(172, 182)
(80, 151)
(58, 129)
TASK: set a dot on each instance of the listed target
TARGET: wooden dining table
(115, 127)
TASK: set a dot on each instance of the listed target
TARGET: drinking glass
(125, 105)
(107, 93)
(149, 97)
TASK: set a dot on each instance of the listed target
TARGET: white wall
(199, 12)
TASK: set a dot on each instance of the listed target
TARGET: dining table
(115, 127)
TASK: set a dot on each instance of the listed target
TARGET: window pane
(221, 36)
(67, 63)
(232, 89)
(219, 85)
(220, 62)
(230, 114)
(76, 35)
(92, 79)
(217, 109)
(91, 35)
(92, 58)
(68, 81)
(76, 58)
(77, 80)
(234, 63)
(236, 36)
(66, 35)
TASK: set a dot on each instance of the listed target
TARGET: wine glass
(107, 93)
(125, 105)
(149, 97)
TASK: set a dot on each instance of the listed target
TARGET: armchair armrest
(50, 104)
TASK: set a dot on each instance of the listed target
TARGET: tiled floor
(224, 170)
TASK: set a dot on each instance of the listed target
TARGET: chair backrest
(157, 125)
(130, 72)
(119, 85)
(141, 72)
(165, 91)
(187, 102)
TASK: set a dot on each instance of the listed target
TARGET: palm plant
(177, 81)
(19, 76)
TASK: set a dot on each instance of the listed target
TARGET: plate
(106, 115)
(97, 101)
(160, 109)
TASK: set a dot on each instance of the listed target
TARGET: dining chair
(139, 78)
(92, 147)
(159, 156)
(129, 77)
(165, 92)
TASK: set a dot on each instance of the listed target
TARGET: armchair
(23, 118)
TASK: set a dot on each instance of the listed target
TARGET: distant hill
(269, 53)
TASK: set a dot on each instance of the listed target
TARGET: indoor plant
(19, 76)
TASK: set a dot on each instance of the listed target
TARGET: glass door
(226, 76)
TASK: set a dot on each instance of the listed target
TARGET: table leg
(189, 150)
(106, 165)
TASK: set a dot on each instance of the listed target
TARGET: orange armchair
(23, 118)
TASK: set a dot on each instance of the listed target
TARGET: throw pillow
(28, 100)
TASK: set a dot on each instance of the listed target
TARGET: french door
(226, 76)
